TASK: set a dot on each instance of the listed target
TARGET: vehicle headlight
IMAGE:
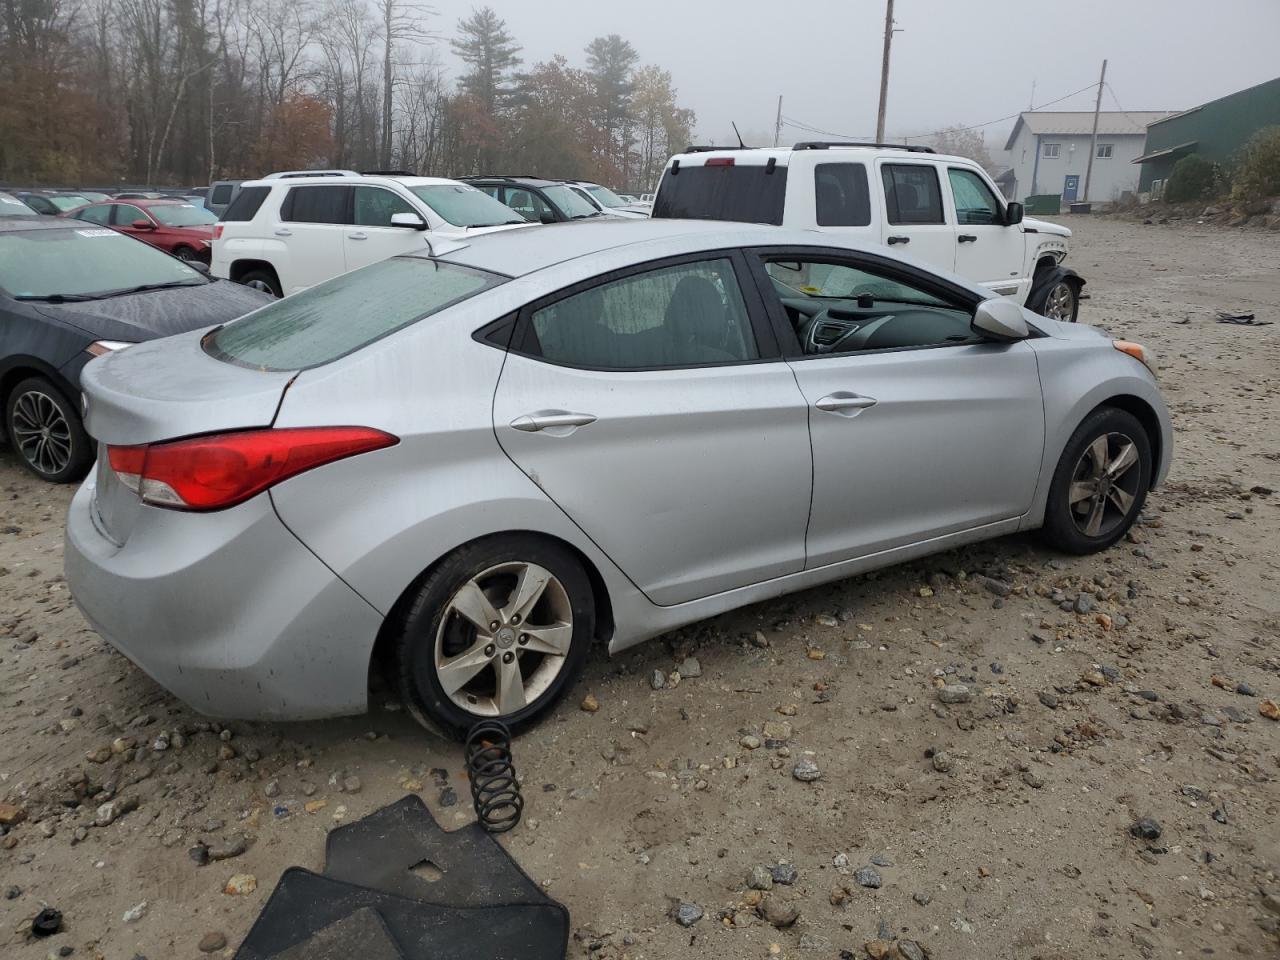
(102, 347)
(1138, 352)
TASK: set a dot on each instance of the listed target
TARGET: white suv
(944, 211)
(294, 229)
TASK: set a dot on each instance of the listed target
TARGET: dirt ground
(998, 827)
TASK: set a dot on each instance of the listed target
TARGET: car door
(920, 429)
(988, 251)
(915, 221)
(313, 220)
(652, 407)
(372, 237)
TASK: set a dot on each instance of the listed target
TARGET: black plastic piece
(362, 934)
(47, 922)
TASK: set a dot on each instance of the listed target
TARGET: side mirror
(1000, 319)
(410, 221)
(547, 217)
(142, 225)
(1013, 213)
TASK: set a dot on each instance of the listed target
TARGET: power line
(1114, 99)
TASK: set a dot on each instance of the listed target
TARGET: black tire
(39, 395)
(1065, 524)
(185, 254)
(415, 657)
(264, 280)
(1049, 287)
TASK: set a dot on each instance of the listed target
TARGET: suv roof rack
(387, 173)
(708, 147)
(290, 174)
(828, 144)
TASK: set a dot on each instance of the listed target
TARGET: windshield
(68, 203)
(465, 206)
(747, 194)
(181, 215)
(13, 207)
(89, 261)
(606, 196)
(346, 313)
(570, 203)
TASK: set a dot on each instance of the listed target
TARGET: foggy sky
(955, 62)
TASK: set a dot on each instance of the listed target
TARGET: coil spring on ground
(495, 792)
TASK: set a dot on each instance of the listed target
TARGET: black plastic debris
(47, 922)
(1241, 319)
(398, 887)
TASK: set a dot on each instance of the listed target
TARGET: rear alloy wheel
(262, 280)
(1100, 484)
(46, 432)
(499, 630)
(1060, 302)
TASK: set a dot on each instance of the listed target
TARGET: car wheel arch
(15, 369)
(385, 642)
(1146, 416)
(239, 268)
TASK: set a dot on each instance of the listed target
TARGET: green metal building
(1215, 130)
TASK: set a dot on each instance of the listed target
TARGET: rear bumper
(228, 610)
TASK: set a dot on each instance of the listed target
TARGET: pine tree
(491, 55)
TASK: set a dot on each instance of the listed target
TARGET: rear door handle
(282, 232)
(558, 423)
(967, 238)
(893, 240)
(358, 236)
(845, 404)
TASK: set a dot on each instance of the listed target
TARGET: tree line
(169, 92)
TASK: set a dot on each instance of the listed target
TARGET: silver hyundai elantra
(486, 457)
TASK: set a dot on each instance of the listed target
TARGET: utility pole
(777, 124)
(1093, 143)
(884, 69)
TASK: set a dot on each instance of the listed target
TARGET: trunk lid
(162, 390)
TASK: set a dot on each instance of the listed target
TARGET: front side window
(127, 214)
(1051, 150)
(975, 203)
(86, 262)
(845, 308)
(464, 206)
(99, 214)
(691, 314)
(315, 204)
(342, 315)
(375, 207)
(182, 215)
(841, 195)
(911, 193)
(1104, 151)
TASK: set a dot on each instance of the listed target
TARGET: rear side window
(911, 193)
(246, 204)
(744, 194)
(346, 313)
(842, 196)
(316, 204)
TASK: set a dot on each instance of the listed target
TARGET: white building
(1049, 151)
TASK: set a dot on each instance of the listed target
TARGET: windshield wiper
(58, 297)
(143, 287)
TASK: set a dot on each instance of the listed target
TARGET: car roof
(818, 152)
(517, 253)
(516, 178)
(332, 181)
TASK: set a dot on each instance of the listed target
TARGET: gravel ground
(1085, 694)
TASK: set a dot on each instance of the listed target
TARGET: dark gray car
(70, 291)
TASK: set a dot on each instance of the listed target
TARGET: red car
(175, 226)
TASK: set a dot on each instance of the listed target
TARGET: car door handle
(893, 240)
(358, 236)
(845, 404)
(967, 238)
(558, 423)
(284, 233)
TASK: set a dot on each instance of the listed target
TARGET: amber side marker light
(1137, 351)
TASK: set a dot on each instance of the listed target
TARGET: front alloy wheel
(1060, 302)
(46, 432)
(1104, 485)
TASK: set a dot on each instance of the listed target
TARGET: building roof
(1111, 123)
(1178, 150)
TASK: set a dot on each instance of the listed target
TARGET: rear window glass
(842, 196)
(745, 194)
(346, 313)
(246, 204)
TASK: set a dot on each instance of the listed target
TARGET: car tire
(1056, 297)
(452, 674)
(1100, 483)
(264, 280)
(46, 432)
(185, 254)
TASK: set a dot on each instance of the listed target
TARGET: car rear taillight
(217, 231)
(222, 470)
(720, 162)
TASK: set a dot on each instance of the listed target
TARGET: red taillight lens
(217, 231)
(720, 162)
(219, 471)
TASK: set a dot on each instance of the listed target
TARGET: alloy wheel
(503, 639)
(260, 285)
(1104, 484)
(41, 432)
(1060, 304)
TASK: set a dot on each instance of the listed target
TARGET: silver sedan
(483, 459)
